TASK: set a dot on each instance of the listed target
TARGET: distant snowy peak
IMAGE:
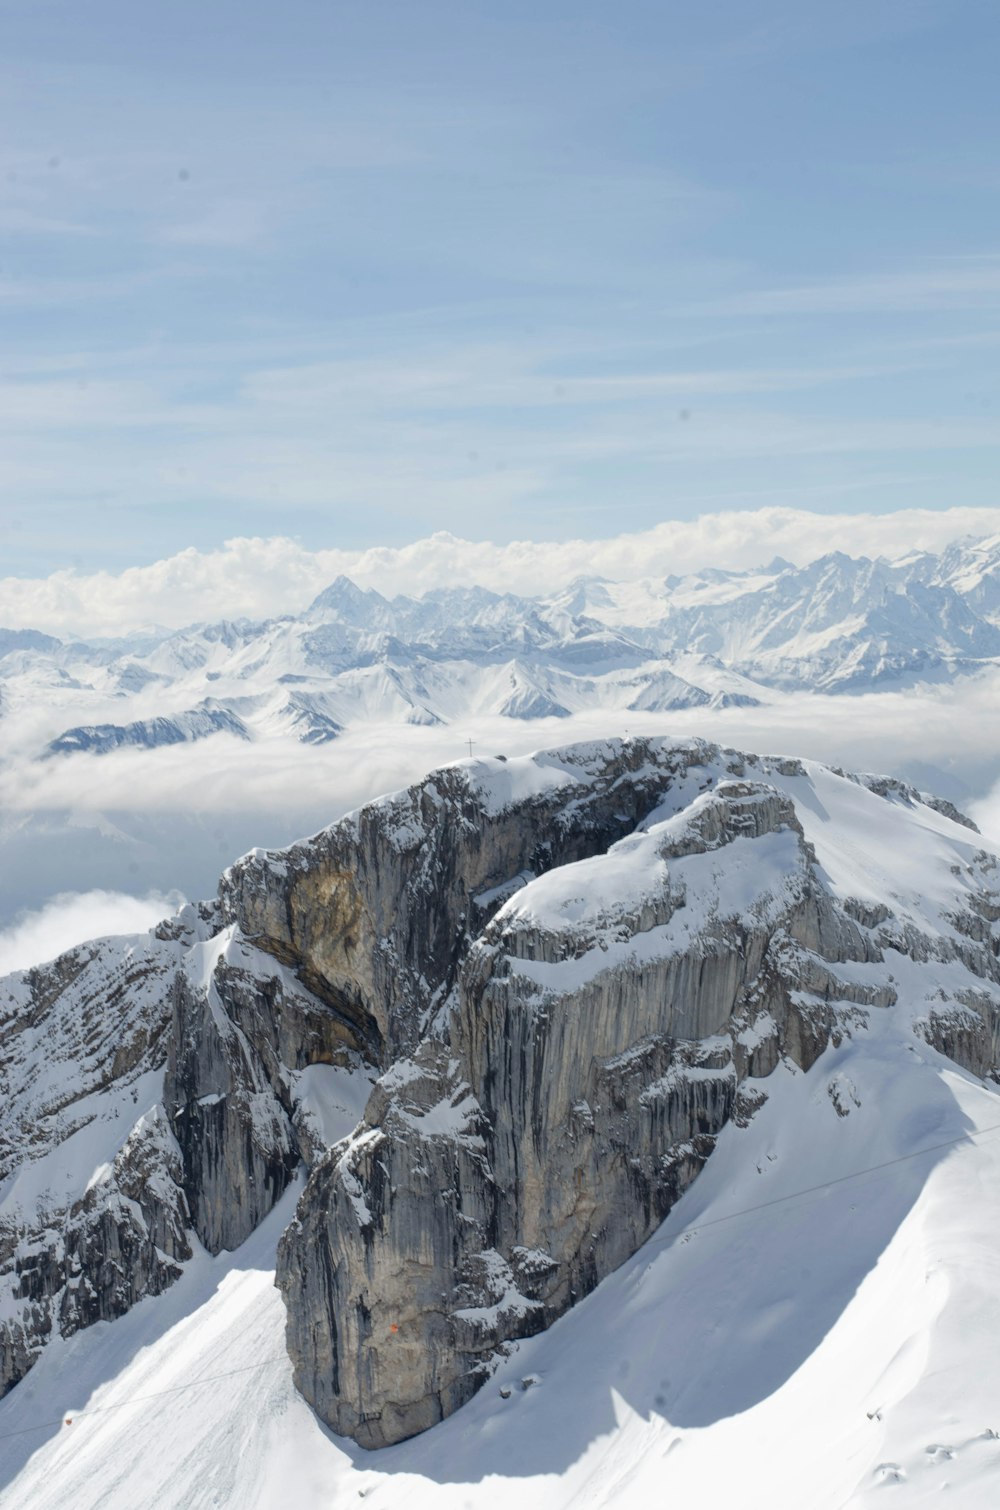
(838, 625)
(150, 734)
(585, 595)
(343, 599)
(25, 639)
(528, 699)
(663, 691)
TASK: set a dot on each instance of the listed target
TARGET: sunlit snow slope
(813, 1326)
(810, 1353)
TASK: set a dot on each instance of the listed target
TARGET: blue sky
(354, 273)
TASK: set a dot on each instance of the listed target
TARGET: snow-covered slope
(811, 1325)
(821, 1351)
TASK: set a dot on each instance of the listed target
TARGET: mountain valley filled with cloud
(499, 755)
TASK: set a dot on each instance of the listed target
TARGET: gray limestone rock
(568, 1091)
(82, 1041)
(376, 913)
(242, 1027)
(568, 973)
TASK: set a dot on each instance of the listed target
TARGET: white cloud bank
(150, 821)
(259, 578)
(951, 730)
(74, 917)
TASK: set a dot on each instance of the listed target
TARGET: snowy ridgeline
(464, 1053)
(715, 639)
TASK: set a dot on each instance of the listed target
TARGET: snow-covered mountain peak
(12, 640)
(359, 606)
(463, 1052)
(716, 637)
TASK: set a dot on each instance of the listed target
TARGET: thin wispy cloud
(438, 432)
(231, 223)
(356, 282)
(955, 283)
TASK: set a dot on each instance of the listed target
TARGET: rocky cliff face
(598, 1037)
(565, 975)
(92, 1214)
(375, 914)
(155, 1093)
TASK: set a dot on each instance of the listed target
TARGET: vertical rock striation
(375, 914)
(566, 975)
(607, 1023)
(92, 1214)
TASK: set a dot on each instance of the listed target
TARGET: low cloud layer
(951, 731)
(141, 821)
(260, 578)
(985, 812)
(71, 918)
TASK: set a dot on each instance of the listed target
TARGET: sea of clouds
(94, 845)
(144, 825)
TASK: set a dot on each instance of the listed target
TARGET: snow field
(817, 1352)
(813, 1326)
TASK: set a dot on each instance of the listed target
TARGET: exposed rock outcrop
(153, 1094)
(598, 1035)
(242, 1028)
(566, 976)
(375, 914)
(573, 1092)
(82, 1236)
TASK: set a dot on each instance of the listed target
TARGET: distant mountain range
(841, 625)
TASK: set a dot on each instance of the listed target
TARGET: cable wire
(841, 1179)
(716, 1221)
